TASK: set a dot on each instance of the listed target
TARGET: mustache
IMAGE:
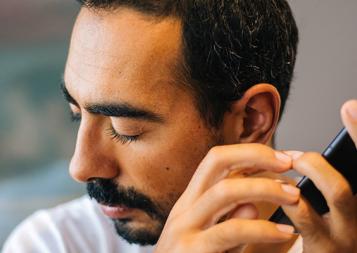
(106, 192)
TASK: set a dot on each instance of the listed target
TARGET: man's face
(141, 137)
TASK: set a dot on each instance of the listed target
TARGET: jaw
(139, 231)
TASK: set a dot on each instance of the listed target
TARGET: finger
(349, 118)
(312, 227)
(306, 220)
(237, 232)
(245, 211)
(227, 194)
(333, 186)
(222, 160)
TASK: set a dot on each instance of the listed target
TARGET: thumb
(349, 118)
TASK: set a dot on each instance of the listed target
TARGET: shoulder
(70, 227)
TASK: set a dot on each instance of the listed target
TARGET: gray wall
(325, 73)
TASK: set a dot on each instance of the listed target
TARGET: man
(178, 101)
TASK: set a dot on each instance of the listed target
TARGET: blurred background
(37, 137)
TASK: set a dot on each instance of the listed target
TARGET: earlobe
(253, 118)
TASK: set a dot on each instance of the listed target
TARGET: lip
(116, 212)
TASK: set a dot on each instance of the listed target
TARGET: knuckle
(222, 189)
(182, 244)
(214, 155)
(304, 216)
(341, 194)
(223, 234)
(308, 157)
(214, 151)
(183, 240)
(173, 226)
(221, 238)
(267, 186)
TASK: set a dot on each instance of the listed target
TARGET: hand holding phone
(341, 153)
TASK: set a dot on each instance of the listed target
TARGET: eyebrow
(124, 110)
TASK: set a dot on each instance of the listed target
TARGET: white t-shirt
(75, 227)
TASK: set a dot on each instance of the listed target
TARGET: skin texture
(211, 193)
(113, 58)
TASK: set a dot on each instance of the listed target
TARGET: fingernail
(283, 157)
(280, 181)
(352, 109)
(294, 154)
(290, 189)
(285, 228)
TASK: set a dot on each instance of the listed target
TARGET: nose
(93, 157)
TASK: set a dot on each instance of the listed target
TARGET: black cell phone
(342, 155)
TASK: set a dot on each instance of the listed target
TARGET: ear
(253, 118)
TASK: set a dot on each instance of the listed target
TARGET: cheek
(163, 169)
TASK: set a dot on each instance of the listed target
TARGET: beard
(106, 192)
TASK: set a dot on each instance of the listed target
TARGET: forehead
(121, 54)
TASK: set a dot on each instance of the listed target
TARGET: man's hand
(337, 232)
(195, 223)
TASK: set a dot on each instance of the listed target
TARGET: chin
(138, 232)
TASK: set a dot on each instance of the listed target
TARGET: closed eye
(75, 117)
(122, 138)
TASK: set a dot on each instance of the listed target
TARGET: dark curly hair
(228, 46)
